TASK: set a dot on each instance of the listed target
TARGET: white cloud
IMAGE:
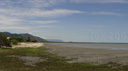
(99, 1)
(46, 26)
(47, 3)
(50, 13)
(6, 20)
(39, 13)
(29, 3)
(14, 28)
(106, 13)
(13, 14)
(44, 3)
(44, 22)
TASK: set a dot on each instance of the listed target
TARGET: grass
(53, 62)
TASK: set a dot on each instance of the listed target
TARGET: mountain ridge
(25, 35)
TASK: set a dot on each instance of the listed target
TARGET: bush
(4, 41)
(19, 39)
(14, 42)
(33, 40)
(29, 39)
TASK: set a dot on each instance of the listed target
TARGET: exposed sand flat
(21, 45)
(90, 55)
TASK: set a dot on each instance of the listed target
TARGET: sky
(68, 20)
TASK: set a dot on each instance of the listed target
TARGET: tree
(18, 39)
(4, 41)
(15, 42)
(34, 41)
(29, 39)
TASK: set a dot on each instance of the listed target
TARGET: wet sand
(90, 55)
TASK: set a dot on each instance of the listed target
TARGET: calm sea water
(93, 45)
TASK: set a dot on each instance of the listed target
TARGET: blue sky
(69, 20)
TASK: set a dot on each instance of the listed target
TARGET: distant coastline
(90, 42)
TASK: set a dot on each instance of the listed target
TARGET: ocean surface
(94, 45)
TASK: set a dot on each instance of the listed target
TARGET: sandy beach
(90, 55)
(29, 44)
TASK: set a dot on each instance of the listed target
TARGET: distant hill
(23, 35)
(54, 40)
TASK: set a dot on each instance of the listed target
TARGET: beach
(28, 44)
(90, 55)
(62, 57)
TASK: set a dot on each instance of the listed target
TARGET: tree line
(9, 41)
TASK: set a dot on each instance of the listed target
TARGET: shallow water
(94, 45)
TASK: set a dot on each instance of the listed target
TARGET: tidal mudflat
(91, 53)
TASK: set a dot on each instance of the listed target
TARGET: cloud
(39, 13)
(14, 28)
(44, 3)
(18, 19)
(29, 3)
(106, 13)
(99, 1)
(46, 26)
(6, 20)
(55, 13)
(44, 22)
(17, 15)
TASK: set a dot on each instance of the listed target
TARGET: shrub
(19, 39)
(29, 39)
(33, 40)
(14, 42)
(4, 41)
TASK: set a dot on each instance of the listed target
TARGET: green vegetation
(33, 40)
(14, 42)
(53, 62)
(29, 39)
(18, 39)
(7, 41)
(21, 39)
(4, 41)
